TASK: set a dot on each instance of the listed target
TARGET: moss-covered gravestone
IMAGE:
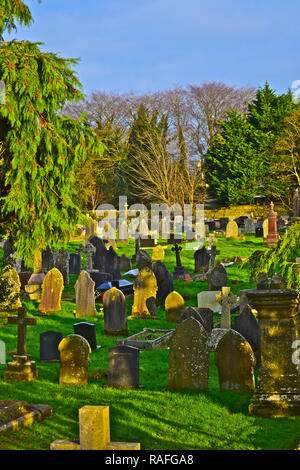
(174, 306)
(85, 297)
(114, 309)
(74, 355)
(235, 361)
(52, 289)
(145, 289)
(12, 302)
(189, 357)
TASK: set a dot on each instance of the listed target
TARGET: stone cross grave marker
(21, 368)
(94, 433)
(226, 299)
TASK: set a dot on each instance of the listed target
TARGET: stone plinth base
(21, 369)
(116, 333)
(275, 406)
(144, 316)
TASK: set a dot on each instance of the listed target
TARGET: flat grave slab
(148, 339)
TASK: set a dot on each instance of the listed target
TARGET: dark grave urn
(49, 341)
(88, 332)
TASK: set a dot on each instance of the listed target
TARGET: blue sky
(151, 45)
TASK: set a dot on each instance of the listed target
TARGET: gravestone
(85, 298)
(226, 299)
(213, 253)
(207, 299)
(52, 289)
(203, 315)
(74, 263)
(202, 260)
(112, 264)
(123, 367)
(265, 228)
(145, 289)
(247, 325)
(217, 278)
(90, 251)
(88, 332)
(61, 262)
(114, 309)
(223, 221)
(147, 242)
(235, 361)
(47, 259)
(232, 230)
(143, 260)
(94, 433)
(189, 357)
(249, 226)
(164, 280)
(74, 354)
(99, 278)
(21, 368)
(259, 232)
(180, 273)
(125, 263)
(100, 253)
(158, 253)
(8, 253)
(12, 301)
(49, 341)
(2, 352)
(174, 305)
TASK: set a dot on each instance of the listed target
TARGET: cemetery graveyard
(156, 401)
(149, 232)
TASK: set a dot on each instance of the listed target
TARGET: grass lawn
(157, 418)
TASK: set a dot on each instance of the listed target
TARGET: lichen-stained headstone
(265, 228)
(189, 357)
(74, 355)
(114, 309)
(235, 361)
(61, 262)
(2, 353)
(12, 302)
(158, 253)
(145, 289)
(85, 297)
(232, 229)
(52, 289)
(174, 305)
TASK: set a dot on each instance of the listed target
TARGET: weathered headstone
(164, 280)
(61, 262)
(90, 252)
(74, 263)
(202, 260)
(88, 332)
(207, 299)
(47, 259)
(49, 341)
(85, 298)
(189, 357)
(249, 226)
(52, 289)
(145, 289)
(226, 299)
(232, 230)
(100, 253)
(143, 260)
(217, 278)
(21, 368)
(114, 309)
(247, 325)
(94, 433)
(112, 264)
(74, 354)
(123, 367)
(235, 361)
(2, 353)
(125, 263)
(158, 253)
(12, 302)
(174, 306)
